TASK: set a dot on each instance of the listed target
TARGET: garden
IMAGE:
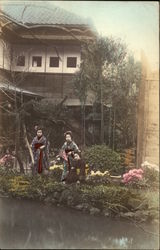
(109, 188)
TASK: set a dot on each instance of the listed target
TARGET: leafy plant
(151, 176)
(56, 172)
(102, 158)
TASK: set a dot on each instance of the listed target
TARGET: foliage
(97, 56)
(151, 177)
(8, 171)
(102, 158)
(113, 77)
(98, 177)
(19, 186)
(145, 177)
(56, 172)
(125, 87)
(113, 198)
(51, 116)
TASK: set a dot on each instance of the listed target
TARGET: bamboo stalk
(27, 144)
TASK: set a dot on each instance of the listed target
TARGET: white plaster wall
(51, 52)
(1, 54)
(46, 53)
(37, 51)
(5, 55)
(69, 51)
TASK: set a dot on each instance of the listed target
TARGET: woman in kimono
(40, 149)
(68, 150)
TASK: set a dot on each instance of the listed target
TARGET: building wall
(151, 126)
(5, 55)
(1, 54)
(49, 85)
(148, 118)
(46, 52)
(51, 82)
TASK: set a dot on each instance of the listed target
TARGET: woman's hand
(42, 147)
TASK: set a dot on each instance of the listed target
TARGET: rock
(56, 195)
(141, 215)
(70, 200)
(79, 207)
(127, 214)
(86, 207)
(94, 210)
(64, 196)
(106, 213)
(53, 200)
(47, 199)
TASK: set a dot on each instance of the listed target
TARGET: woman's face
(39, 133)
(68, 138)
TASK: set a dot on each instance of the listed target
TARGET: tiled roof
(7, 86)
(41, 13)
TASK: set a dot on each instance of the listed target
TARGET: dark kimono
(68, 159)
(41, 156)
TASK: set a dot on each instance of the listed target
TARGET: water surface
(28, 224)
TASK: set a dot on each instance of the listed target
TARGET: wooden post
(114, 123)
(102, 113)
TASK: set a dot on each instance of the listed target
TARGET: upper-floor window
(71, 62)
(54, 62)
(21, 61)
(36, 61)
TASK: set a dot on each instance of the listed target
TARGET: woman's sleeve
(76, 149)
(63, 147)
(32, 146)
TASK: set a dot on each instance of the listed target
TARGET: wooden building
(43, 43)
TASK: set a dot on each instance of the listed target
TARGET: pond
(29, 224)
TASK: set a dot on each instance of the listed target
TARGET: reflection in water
(28, 224)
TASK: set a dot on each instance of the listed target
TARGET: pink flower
(140, 171)
(124, 175)
(131, 171)
(139, 176)
(133, 176)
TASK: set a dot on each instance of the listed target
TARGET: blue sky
(135, 22)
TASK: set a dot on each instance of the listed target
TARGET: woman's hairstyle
(39, 128)
(68, 133)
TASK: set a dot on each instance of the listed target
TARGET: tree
(124, 88)
(97, 58)
(13, 79)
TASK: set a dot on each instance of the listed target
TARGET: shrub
(151, 175)
(145, 177)
(102, 158)
(98, 177)
(133, 178)
(56, 172)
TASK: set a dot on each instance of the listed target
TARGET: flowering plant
(134, 176)
(151, 174)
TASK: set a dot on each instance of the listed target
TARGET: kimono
(68, 159)
(41, 156)
(77, 172)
